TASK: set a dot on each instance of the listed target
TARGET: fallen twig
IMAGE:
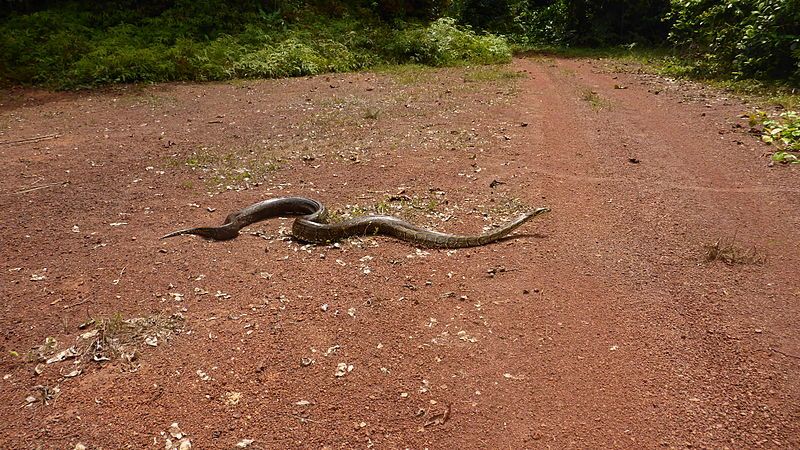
(438, 419)
(116, 281)
(44, 186)
(30, 139)
(788, 355)
(76, 304)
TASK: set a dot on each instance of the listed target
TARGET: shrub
(743, 38)
(443, 43)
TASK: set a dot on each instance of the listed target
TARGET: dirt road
(600, 326)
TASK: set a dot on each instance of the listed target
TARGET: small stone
(404, 394)
(343, 369)
(175, 431)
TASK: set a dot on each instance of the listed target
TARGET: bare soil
(602, 324)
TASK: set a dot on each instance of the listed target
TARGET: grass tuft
(593, 98)
(728, 252)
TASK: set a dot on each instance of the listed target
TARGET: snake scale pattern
(311, 225)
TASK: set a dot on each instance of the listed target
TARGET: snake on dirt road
(311, 225)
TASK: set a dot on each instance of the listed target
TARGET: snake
(311, 225)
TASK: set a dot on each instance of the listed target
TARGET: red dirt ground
(600, 326)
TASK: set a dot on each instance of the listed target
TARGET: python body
(311, 225)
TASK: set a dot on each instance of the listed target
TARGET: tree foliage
(575, 22)
(745, 38)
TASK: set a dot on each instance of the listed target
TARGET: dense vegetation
(78, 43)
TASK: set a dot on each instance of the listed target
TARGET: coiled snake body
(311, 225)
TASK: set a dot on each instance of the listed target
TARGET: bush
(743, 38)
(443, 43)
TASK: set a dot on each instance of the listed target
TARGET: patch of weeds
(786, 97)
(730, 253)
(782, 131)
(382, 207)
(113, 339)
(372, 113)
(567, 72)
(235, 169)
(507, 207)
(595, 101)
(414, 209)
(117, 338)
(784, 157)
(427, 205)
(407, 74)
(491, 73)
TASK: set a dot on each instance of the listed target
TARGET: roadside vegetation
(782, 131)
(82, 44)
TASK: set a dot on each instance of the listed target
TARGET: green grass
(406, 74)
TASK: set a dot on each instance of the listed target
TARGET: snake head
(222, 233)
